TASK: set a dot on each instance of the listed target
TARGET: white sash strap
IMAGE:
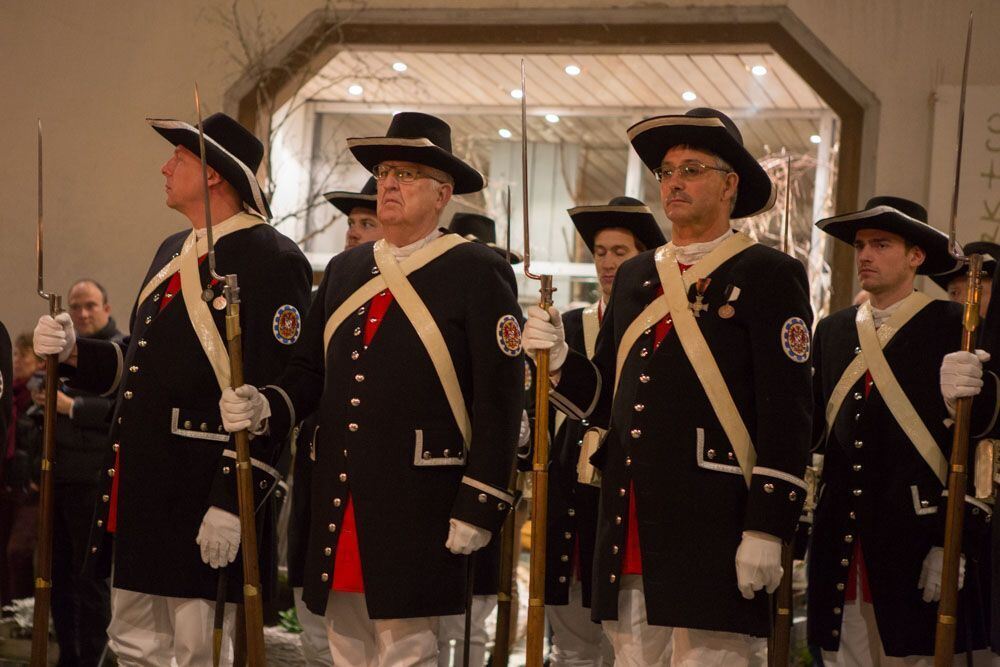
(430, 335)
(198, 313)
(910, 306)
(895, 398)
(364, 294)
(700, 355)
(658, 308)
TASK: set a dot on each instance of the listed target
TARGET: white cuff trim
(784, 476)
(486, 488)
(288, 403)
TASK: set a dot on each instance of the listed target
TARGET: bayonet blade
(204, 181)
(39, 244)
(953, 228)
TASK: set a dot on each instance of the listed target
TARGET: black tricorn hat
(346, 202)
(230, 149)
(420, 138)
(624, 212)
(481, 229)
(712, 131)
(990, 252)
(898, 216)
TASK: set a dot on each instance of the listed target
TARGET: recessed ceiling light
(552, 118)
(689, 96)
(517, 93)
(504, 132)
(815, 138)
(399, 67)
(758, 70)
(572, 70)
(355, 89)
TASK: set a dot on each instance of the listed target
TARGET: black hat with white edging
(624, 212)
(345, 202)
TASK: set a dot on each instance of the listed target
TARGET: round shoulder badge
(287, 324)
(509, 335)
(795, 339)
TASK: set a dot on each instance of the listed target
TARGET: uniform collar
(690, 254)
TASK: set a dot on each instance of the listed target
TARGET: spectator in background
(81, 605)
(19, 476)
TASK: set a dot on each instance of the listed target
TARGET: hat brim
(231, 168)
(653, 137)
(589, 220)
(933, 242)
(345, 202)
(992, 252)
(371, 151)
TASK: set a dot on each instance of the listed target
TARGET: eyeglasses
(402, 174)
(689, 171)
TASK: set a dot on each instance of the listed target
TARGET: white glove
(932, 572)
(54, 335)
(524, 437)
(544, 331)
(758, 563)
(464, 538)
(219, 537)
(243, 408)
(961, 376)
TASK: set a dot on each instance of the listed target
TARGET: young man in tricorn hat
(875, 559)
(701, 375)
(411, 354)
(169, 498)
(614, 233)
(359, 207)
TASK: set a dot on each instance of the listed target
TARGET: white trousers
(638, 644)
(157, 630)
(861, 646)
(358, 641)
(315, 645)
(576, 640)
(453, 628)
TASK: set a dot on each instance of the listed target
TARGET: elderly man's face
(88, 309)
(412, 203)
(362, 226)
(700, 200)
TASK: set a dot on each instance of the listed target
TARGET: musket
(252, 603)
(508, 541)
(781, 629)
(944, 639)
(540, 458)
(43, 568)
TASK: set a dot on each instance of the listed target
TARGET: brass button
(568, 535)
(501, 507)
(332, 527)
(621, 493)
(852, 515)
(835, 633)
(840, 587)
(857, 350)
(342, 477)
(769, 488)
(336, 502)
(225, 470)
(612, 578)
(352, 427)
(129, 395)
(111, 472)
(925, 503)
(324, 577)
(792, 495)
(357, 331)
(156, 297)
(143, 342)
(446, 453)
(639, 407)
(856, 467)
(618, 520)
(614, 550)
(361, 310)
(644, 352)
(100, 522)
(263, 484)
(628, 461)
(844, 562)
(858, 396)
(93, 550)
(355, 355)
(858, 444)
(115, 447)
(327, 551)
(426, 455)
(187, 424)
(355, 401)
(359, 378)
(105, 498)
(149, 318)
(571, 512)
(710, 453)
(837, 610)
(133, 369)
(562, 580)
(848, 538)
(857, 492)
(636, 433)
(564, 558)
(643, 378)
(482, 497)
(204, 427)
